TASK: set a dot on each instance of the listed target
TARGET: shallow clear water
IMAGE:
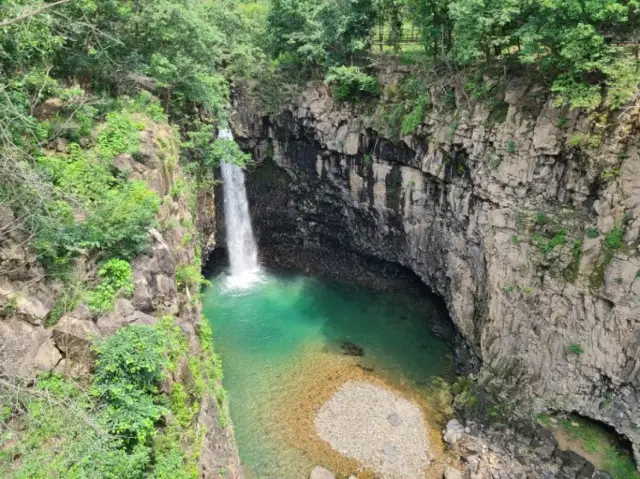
(286, 333)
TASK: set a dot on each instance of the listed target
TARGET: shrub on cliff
(351, 82)
(116, 279)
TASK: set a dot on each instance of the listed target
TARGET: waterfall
(241, 245)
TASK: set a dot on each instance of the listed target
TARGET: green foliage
(547, 245)
(212, 368)
(579, 48)
(120, 224)
(228, 151)
(571, 271)
(77, 174)
(171, 460)
(542, 219)
(499, 112)
(177, 48)
(609, 174)
(203, 149)
(351, 83)
(325, 32)
(466, 398)
(586, 140)
(592, 233)
(56, 437)
(119, 135)
(10, 306)
(59, 435)
(576, 349)
(115, 279)
(87, 207)
(190, 276)
(133, 355)
(414, 119)
(512, 147)
(68, 300)
(177, 189)
(183, 411)
(613, 240)
(129, 367)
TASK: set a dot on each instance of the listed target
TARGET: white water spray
(241, 245)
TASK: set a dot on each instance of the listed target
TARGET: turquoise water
(285, 324)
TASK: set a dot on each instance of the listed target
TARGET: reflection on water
(283, 345)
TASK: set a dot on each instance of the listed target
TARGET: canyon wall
(527, 226)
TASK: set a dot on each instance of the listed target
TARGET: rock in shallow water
(453, 432)
(451, 473)
(351, 349)
(321, 473)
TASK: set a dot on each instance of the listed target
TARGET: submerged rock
(351, 349)
(321, 473)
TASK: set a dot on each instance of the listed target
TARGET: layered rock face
(528, 228)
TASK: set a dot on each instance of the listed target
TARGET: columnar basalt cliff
(528, 227)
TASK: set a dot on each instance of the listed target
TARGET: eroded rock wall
(466, 202)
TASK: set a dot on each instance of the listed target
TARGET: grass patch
(546, 245)
(116, 279)
(571, 271)
(576, 349)
(613, 241)
(595, 439)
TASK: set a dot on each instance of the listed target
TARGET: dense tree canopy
(584, 48)
(325, 32)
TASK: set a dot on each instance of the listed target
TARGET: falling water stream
(243, 253)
